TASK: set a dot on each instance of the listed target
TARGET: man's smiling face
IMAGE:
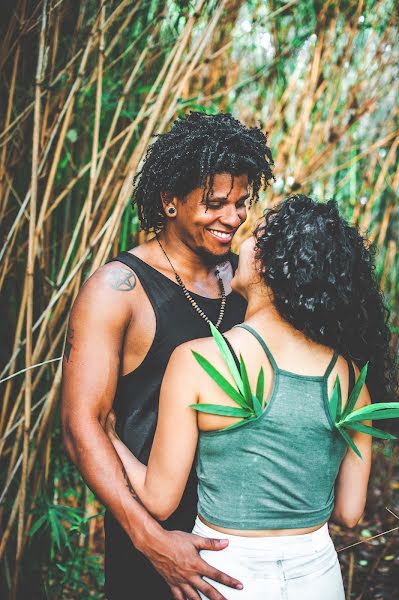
(209, 229)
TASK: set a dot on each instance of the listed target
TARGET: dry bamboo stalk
(30, 287)
(7, 122)
(139, 149)
(390, 158)
(46, 313)
(193, 57)
(101, 156)
(389, 262)
(46, 414)
(9, 426)
(96, 132)
(369, 150)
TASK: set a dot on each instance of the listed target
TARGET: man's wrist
(147, 534)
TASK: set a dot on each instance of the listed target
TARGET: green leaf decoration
(378, 433)
(240, 423)
(349, 441)
(251, 406)
(219, 409)
(245, 382)
(355, 393)
(260, 387)
(334, 400)
(352, 419)
(257, 406)
(375, 412)
(220, 380)
(228, 358)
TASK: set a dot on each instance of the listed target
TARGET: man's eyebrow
(220, 198)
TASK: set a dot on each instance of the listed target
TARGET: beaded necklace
(191, 299)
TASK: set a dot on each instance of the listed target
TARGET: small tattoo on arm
(129, 486)
(121, 279)
(68, 343)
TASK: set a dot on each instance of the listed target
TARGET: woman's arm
(160, 486)
(354, 473)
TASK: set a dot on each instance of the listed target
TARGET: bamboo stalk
(30, 288)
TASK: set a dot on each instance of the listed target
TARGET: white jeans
(289, 567)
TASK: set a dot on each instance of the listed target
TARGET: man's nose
(231, 217)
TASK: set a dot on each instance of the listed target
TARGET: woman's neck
(261, 309)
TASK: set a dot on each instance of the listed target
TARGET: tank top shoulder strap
(262, 343)
(331, 365)
(351, 375)
(234, 355)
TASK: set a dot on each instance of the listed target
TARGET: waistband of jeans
(316, 539)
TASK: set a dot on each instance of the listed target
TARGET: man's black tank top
(136, 406)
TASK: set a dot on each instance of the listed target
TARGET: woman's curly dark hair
(197, 147)
(321, 274)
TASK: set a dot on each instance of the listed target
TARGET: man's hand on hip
(175, 555)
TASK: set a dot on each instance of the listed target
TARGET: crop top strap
(261, 342)
(230, 347)
(351, 376)
(331, 364)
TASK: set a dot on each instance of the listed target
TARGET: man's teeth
(221, 234)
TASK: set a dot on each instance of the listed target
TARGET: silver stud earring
(171, 211)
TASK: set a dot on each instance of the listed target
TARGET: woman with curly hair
(269, 482)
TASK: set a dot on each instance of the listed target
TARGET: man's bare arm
(91, 365)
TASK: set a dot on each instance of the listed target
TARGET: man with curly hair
(130, 315)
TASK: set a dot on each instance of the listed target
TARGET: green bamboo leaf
(220, 380)
(374, 412)
(38, 524)
(378, 433)
(240, 423)
(333, 400)
(355, 393)
(257, 406)
(54, 529)
(218, 409)
(350, 442)
(260, 387)
(228, 357)
(245, 382)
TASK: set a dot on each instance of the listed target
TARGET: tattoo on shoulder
(68, 343)
(129, 486)
(121, 279)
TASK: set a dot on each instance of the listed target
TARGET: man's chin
(211, 259)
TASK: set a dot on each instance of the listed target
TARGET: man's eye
(214, 204)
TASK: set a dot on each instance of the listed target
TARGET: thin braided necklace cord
(191, 299)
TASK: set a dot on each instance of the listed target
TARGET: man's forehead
(223, 184)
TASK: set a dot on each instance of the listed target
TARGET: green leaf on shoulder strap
(355, 393)
(350, 442)
(260, 387)
(219, 409)
(257, 406)
(228, 357)
(220, 379)
(245, 382)
(335, 400)
(374, 412)
(239, 424)
(378, 433)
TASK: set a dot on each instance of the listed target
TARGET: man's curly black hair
(321, 274)
(197, 147)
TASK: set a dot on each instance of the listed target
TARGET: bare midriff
(261, 532)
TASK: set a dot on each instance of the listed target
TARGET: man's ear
(168, 204)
